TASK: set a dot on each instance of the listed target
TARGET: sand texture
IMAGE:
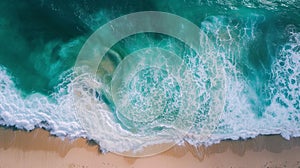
(38, 149)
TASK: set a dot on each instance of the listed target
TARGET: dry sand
(38, 149)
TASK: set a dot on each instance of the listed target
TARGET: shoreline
(38, 148)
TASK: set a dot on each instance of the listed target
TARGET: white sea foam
(239, 118)
(57, 113)
(35, 110)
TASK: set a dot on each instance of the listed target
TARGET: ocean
(196, 71)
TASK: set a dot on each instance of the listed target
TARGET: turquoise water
(255, 46)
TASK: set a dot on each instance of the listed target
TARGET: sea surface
(244, 82)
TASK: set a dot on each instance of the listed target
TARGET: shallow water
(245, 82)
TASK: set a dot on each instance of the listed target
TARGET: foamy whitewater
(257, 50)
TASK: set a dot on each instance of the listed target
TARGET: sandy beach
(38, 149)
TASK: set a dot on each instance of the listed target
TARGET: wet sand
(38, 149)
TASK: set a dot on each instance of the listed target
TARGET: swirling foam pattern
(153, 92)
(230, 70)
